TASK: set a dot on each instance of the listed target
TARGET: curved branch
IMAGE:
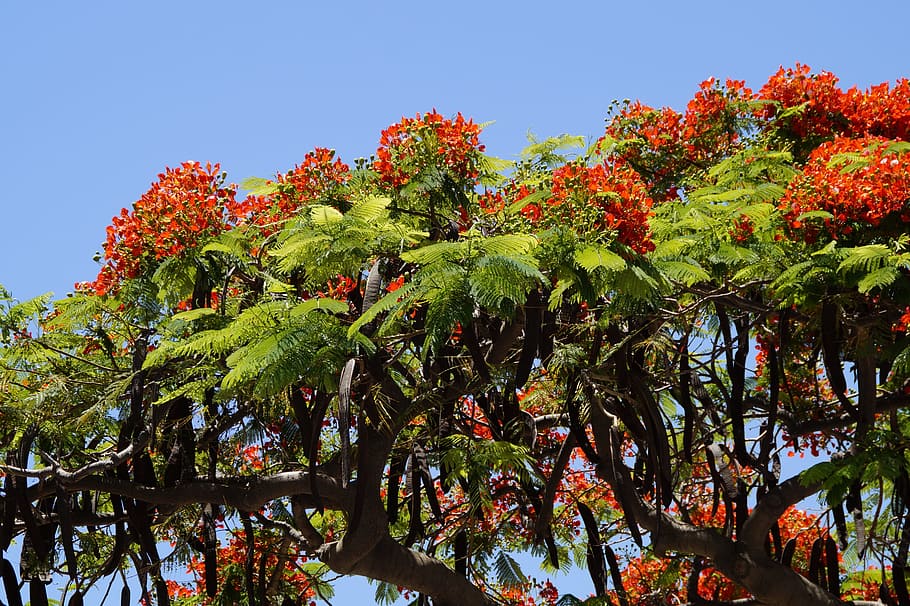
(773, 505)
(398, 565)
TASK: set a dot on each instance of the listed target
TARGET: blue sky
(98, 97)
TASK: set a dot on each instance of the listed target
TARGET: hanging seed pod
(595, 552)
(460, 548)
(396, 470)
(840, 523)
(552, 551)
(815, 564)
(37, 593)
(10, 584)
(833, 566)
(616, 576)
(789, 549)
(344, 419)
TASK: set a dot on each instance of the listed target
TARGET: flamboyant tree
(415, 368)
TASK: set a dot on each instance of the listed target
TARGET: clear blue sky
(98, 97)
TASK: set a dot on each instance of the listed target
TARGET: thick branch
(772, 506)
(390, 562)
(244, 493)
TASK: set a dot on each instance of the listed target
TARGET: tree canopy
(415, 368)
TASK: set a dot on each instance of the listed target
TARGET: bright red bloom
(428, 141)
(866, 194)
(880, 110)
(793, 87)
(320, 177)
(665, 145)
(185, 206)
(618, 194)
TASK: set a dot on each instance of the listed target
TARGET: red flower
(871, 191)
(616, 191)
(320, 177)
(428, 141)
(185, 206)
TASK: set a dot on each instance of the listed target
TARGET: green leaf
(332, 306)
(730, 254)
(686, 272)
(897, 147)
(879, 278)
(433, 253)
(194, 314)
(499, 278)
(724, 196)
(636, 283)
(866, 258)
(230, 242)
(508, 572)
(259, 186)
(547, 147)
(532, 198)
(386, 593)
(369, 209)
(512, 244)
(494, 165)
(595, 257)
(386, 303)
(323, 216)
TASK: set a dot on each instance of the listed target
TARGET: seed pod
(37, 593)
(840, 522)
(616, 576)
(789, 549)
(595, 552)
(10, 584)
(344, 419)
(396, 470)
(832, 565)
(460, 547)
(552, 551)
(815, 564)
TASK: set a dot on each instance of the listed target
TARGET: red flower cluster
(428, 141)
(861, 195)
(616, 191)
(231, 559)
(791, 87)
(320, 176)
(880, 110)
(903, 322)
(712, 121)
(511, 193)
(667, 143)
(657, 149)
(185, 206)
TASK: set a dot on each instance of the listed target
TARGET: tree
(412, 369)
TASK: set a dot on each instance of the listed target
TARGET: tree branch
(772, 506)
(244, 493)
